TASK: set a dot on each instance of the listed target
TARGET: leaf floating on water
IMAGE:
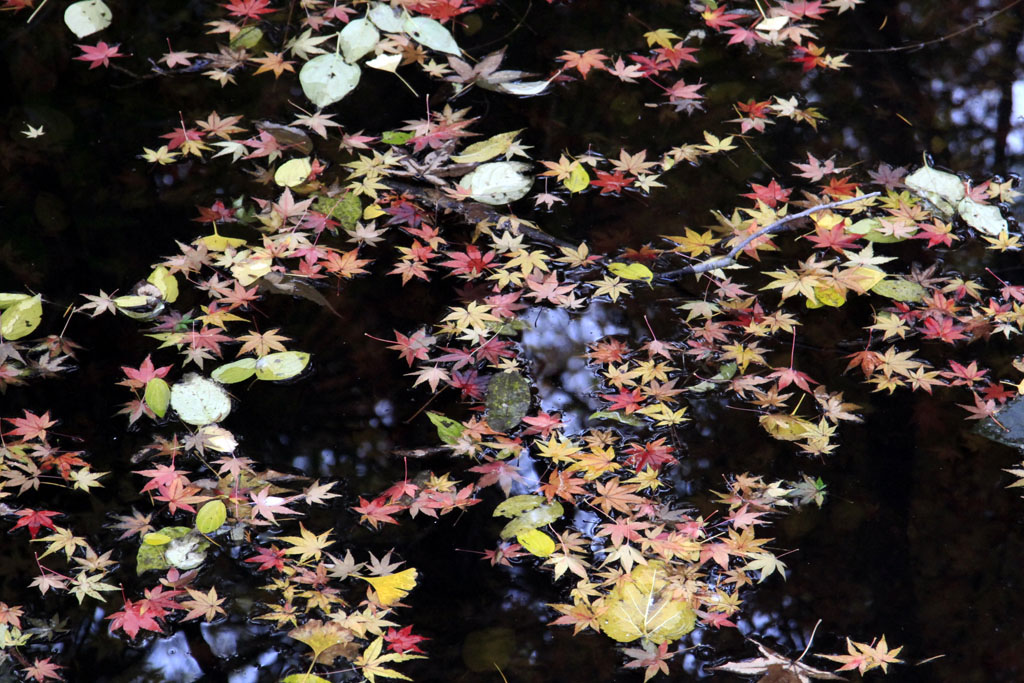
(157, 396)
(536, 542)
(642, 607)
(282, 365)
(200, 401)
(211, 516)
(498, 182)
(328, 78)
(358, 39)
(87, 17)
(508, 400)
(21, 318)
(448, 430)
(393, 587)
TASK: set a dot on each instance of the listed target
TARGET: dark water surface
(919, 539)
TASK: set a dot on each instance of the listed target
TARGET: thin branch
(777, 226)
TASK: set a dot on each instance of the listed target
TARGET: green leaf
(986, 218)
(87, 17)
(578, 179)
(327, 78)
(210, 516)
(517, 505)
(200, 401)
(22, 318)
(643, 606)
(358, 39)
(293, 172)
(942, 189)
(448, 430)
(304, 678)
(536, 542)
(900, 290)
(238, 371)
(247, 37)
(430, 33)
(157, 396)
(281, 365)
(487, 149)
(387, 18)
(537, 517)
(508, 400)
(633, 271)
(395, 137)
(630, 420)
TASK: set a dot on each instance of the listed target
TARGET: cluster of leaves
(641, 569)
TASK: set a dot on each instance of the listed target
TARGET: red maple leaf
(719, 18)
(42, 669)
(139, 378)
(835, 238)
(772, 193)
(131, 619)
(655, 453)
(611, 182)
(414, 347)
(251, 9)
(31, 426)
(269, 558)
(403, 640)
(34, 519)
(943, 329)
(377, 511)
(624, 400)
(99, 54)
(472, 263)
(584, 61)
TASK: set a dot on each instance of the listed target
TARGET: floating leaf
(200, 401)
(578, 179)
(293, 172)
(498, 182)
(237, 371)
(641, 607)
(325, 79)
(218, 438)
(358, 39)
(157, 396)
(899, 289)
(431, 33)
(387, 18)
(517, 505)
(210, 516)
(21, 318)
(385, 62)
(87, 17)
(942, 189)
(393, 587)
(8, 299)
(448, 430)
(328, 641)
(508, 400)
(536, 542)
(246, 38)
(282, 365)
(164, 280)
(304, 678)
(616, 416)
(487, 149)
(632, 271)
(785, 427)
(156, 538)
(537, 517)
(986, 218)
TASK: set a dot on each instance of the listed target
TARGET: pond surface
(918, 539)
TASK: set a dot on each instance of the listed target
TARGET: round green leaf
(246, 38)
(358, 39)
(8, 299)
(327, 78)
(536, 542)
(211, 516)
(498, 182)
(164, 280)
(448, 430)
(22, 318)
(158, 396)
(578, 179)
(238, 371)
(283, 365)
(517, 505)
(632, 271)
(430, 33)
(156, 538)
(387, 18)
(200, 401)
(537, 517)
(293, 172)
(900, 290)
(986, 218)
(508, 400)
(87, 17)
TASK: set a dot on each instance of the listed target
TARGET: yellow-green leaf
(238, 371)
(281, 365)
(645, 606)
(632, 271)
(900, 290)
(211, 516)
(517, 505)
(165, 281)
(536, 542)
(293, 172)
(158, 396)
(578, 179)
(156, 538)
(487, 149)
(22, 318)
